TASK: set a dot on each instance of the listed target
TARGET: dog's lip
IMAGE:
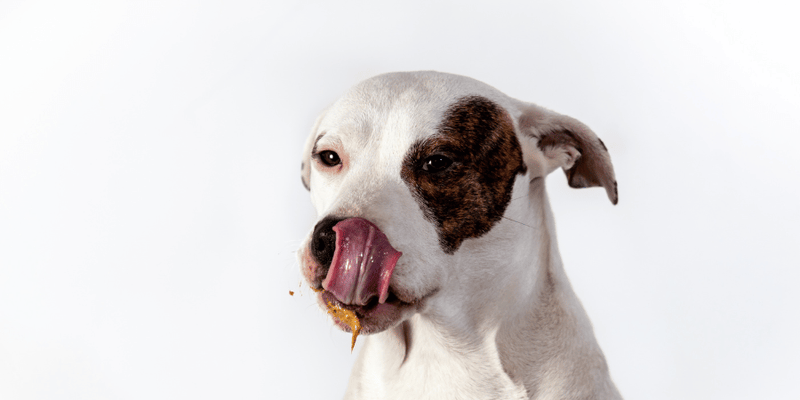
(365, 310)
(394, 297)
(374, 317)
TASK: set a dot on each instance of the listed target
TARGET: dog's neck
(462, 345)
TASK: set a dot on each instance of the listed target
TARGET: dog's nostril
(323, 244)
(320, 244)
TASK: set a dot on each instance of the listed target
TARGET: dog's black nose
(323, 244)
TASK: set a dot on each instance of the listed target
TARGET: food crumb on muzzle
(348, 318)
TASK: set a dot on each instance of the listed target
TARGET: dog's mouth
(356, 289)
(372, 317)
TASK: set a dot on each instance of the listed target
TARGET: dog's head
(412, 175)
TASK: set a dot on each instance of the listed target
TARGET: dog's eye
(329, 158)
(436, 163)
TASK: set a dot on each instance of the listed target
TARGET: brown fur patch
(468, 198)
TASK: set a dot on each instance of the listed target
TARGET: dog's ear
(551, 140)
(305, 165)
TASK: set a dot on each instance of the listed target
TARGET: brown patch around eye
(469, 197)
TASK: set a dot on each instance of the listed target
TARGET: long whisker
(521, 223)
(520, 197)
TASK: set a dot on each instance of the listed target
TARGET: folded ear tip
(613, 194)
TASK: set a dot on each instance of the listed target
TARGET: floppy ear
(305, 165)
(551, 140)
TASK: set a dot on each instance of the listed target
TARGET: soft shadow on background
(151, 205)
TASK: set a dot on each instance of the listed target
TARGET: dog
(436, 234)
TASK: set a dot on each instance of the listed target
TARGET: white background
(151, 205)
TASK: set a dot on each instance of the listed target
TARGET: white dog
(437, 235)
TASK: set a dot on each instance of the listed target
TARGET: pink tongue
(362, 264)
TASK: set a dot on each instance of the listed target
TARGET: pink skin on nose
(362, 264)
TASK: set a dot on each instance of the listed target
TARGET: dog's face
(412, 175)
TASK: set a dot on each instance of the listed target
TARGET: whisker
(521, 223)
(520, 197)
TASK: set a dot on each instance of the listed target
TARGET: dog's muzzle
(355, 258)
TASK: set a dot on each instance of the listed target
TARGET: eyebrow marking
(314, 149)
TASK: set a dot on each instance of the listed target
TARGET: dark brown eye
(436, 163)
(329, 158)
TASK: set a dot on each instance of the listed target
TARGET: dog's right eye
(329, 158)
(436, 163)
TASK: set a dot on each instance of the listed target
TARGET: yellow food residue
(348, 318)
(291, 293)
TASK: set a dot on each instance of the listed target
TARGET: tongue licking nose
(362, 263)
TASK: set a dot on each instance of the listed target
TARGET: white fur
(499, 319)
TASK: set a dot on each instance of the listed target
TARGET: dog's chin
(374, 317)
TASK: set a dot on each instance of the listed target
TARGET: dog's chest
(430, 370)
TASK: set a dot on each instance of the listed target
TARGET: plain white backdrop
(151, 205)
